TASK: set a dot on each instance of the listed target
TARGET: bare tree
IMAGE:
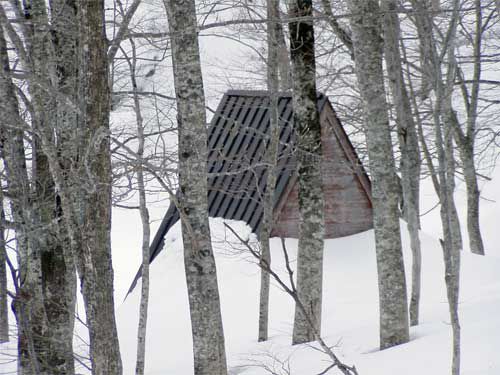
(311, 201)
(443, 115)
(144, 213)
(408, 143)
(4, 309)
(201, 275)
(274, 30)
(367, 42)
(465, 137)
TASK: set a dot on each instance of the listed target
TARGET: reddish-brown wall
(347, 206)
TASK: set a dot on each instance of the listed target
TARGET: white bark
(367, 44)
(199, 262)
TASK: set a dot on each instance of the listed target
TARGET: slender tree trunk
(283, 59)
(466, 140)
(408, 143)
(443, 117)
(199, 262)
(451, 251)
(473, 196)
(274, 30)
(144, 212)
(4, 309)
(311, 201)
(366, 30)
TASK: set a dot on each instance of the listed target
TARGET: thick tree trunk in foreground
(199, 262)
(408, 143)
(93, 248)
(64, 39)
(311, 201)
(367, 43)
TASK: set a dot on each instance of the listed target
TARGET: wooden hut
(237, 139)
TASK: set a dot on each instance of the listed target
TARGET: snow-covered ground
(350, 312)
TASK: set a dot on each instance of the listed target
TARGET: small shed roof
(237, 139)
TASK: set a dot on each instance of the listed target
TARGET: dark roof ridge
(281, 94)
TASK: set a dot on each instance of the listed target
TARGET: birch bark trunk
(367, 43)
(311, 201)
(408, 143)
(199, 262)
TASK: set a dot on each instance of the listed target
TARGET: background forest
(104, 109)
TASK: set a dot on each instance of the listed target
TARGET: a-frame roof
(237, 139)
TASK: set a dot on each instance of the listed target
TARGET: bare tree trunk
(4, 309)
(473, 196)
(367, 43)
(64, 38)
(408, 142)
(199, 262)
(466, 139)
(309, 156)
(93, 248)
(57, 276)
(28, 302)
(274, 30)
(144, 212)
(451, 252)
(283, 59)
(443, 121)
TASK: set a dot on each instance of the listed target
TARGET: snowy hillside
(350, 313)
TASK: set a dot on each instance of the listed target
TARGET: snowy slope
(350, 313)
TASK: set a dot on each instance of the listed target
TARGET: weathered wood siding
(348, 208)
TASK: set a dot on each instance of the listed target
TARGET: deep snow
(350, 312)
